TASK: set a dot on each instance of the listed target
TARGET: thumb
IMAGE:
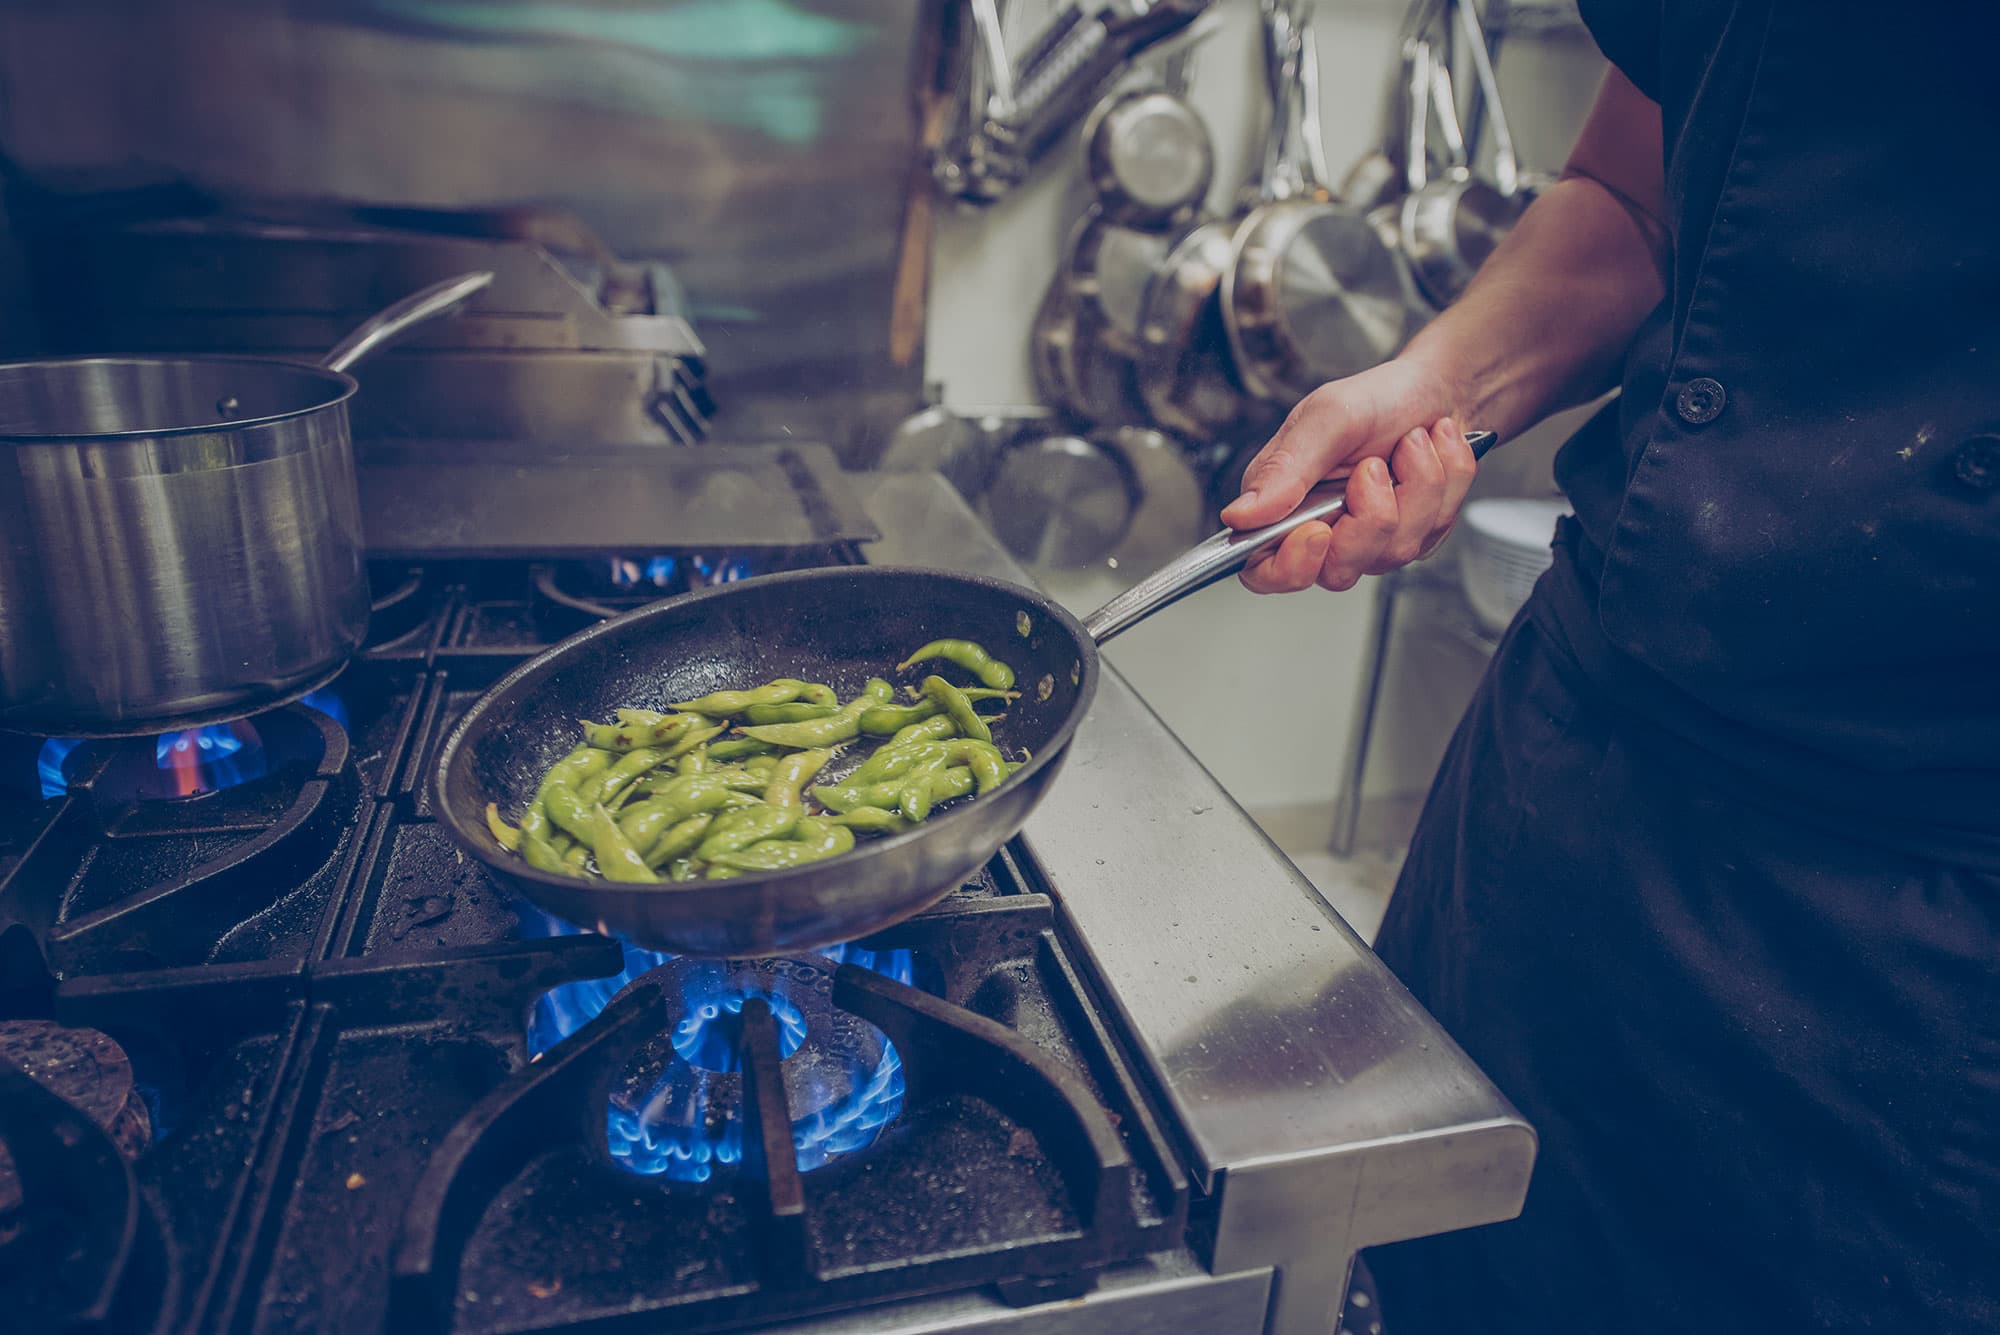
(1313, 444)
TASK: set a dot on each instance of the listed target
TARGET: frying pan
(838, 625)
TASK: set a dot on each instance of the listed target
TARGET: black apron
(1709, 882)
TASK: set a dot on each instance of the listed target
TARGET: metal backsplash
(762, 148)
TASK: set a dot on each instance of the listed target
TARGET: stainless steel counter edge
(1296, 1065)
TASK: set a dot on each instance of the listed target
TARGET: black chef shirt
(1786, 551)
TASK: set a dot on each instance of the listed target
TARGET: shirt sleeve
(1628, 33)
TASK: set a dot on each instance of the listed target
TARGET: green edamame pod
(683, 869)
(936, 728)
(693, 762)
(790, 776)
(798, 711)
(616, 857)
(626, 737)
(722, 704)
(506, 835)
(813, 840)
(869, 820)
(955, 704)
(739, 748)
(680, 840)
(761, 765)
(891, 761)
(967, 654)
(644, 822)
(882, 720)
(737, 830)
(542, 856)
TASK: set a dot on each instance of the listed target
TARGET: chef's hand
(1388, 431)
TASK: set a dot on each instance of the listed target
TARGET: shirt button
(1977, 463)
(1700, 401)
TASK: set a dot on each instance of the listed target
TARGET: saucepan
(180, 537)
(839, 625)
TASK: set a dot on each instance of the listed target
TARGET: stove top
(274, 1056)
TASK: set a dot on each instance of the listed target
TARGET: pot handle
(386, 325)
(1224, 554)
(1506, 165)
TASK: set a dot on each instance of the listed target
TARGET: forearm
(1545, 323)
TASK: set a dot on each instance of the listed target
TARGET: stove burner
(722, 570)
(208, 760)
(89, 1071)
(678, 1111)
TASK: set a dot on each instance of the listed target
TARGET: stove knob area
(1060, 502)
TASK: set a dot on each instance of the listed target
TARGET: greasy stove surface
(374, 1091)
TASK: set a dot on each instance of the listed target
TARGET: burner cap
(84, 1067)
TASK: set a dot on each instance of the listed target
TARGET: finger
(1293, 565)
(1460, 468)
(1310, 445)
(1364, 530)
(1420, 482)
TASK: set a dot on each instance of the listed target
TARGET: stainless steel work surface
(1168, 1295)
(423, 499)
(1313, 1091)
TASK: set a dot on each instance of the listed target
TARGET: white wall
(1262, 690)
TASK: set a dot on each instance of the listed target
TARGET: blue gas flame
(723, 569)
(646, 1141)
(209, 759)
(658, 571)
(49, 764)
(327, 702)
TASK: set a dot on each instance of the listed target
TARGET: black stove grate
(327, 1009)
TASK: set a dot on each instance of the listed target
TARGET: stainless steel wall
(761, 147)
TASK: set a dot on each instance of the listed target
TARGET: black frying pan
(840, 626)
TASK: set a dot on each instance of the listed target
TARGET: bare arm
(1543, 326)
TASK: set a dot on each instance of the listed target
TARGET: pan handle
(1224, 554)
(411, 311)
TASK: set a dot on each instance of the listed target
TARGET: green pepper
(616, 857)
(790, 776)
(933, 729)
(813, 840)
(628, 737)
(680, 839)
(736, 830)
(955, 704)
(719, 704)
(869, 820)
(968, 655)
(739, 748)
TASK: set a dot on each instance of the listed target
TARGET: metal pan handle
(1225, 554)
(411, 311)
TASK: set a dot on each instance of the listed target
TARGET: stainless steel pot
(180, 538)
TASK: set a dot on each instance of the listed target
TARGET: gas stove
(274, 1056)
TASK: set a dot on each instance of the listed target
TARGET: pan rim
(340, 385)
(515, 868)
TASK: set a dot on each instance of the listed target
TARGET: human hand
(1389, 432)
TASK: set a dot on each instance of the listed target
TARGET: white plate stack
(1506, 549)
